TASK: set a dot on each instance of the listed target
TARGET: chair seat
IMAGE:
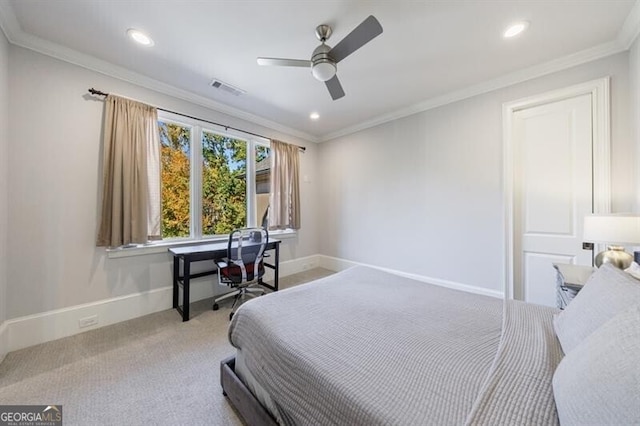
(233, 272)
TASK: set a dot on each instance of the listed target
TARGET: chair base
(224, 297)
(239, 296)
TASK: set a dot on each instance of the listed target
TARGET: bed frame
(241, 398)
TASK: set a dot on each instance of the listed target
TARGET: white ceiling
(430, 51)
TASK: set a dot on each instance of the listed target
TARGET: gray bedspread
(364, 347)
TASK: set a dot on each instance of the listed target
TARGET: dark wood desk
(210, 252)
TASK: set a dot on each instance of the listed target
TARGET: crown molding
(625, 38)
(11, 27)
(16, 36)
(631, 27)
(520, 76)
(8, 21)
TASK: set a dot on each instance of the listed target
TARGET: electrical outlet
(88, 321)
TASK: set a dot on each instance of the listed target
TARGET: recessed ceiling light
(140, 37)
(314, 116)
(516, 29)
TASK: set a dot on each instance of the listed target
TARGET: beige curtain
(284, 197)
(131, 174)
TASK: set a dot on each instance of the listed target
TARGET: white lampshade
(612, 228)
(323, 71)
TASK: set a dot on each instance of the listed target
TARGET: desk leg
(185, 290)
(176, 274)
(277, 268)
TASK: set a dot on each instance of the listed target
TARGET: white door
(553, 191)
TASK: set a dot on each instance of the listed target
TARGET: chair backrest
(265, 218)
(245, 253)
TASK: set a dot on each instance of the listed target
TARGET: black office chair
(243, 267)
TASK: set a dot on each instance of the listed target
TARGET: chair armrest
(222, 263)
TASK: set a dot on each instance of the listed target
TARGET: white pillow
(598, 382)
(634, 270)
(607, 292)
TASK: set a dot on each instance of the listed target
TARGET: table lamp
(615, 229)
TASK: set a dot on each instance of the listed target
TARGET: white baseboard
(39, 328)
(337, 264)
(34, 329)
(4, 341)
(294, 266)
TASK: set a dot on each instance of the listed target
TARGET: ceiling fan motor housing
(323, 32)
(323, 67)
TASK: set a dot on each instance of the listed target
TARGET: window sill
(163, 246)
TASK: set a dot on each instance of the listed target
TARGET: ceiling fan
(324, 58)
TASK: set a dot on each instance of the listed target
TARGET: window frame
(197, 128)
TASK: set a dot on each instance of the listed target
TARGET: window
(175, 142)
(212, 181)
(263, 180)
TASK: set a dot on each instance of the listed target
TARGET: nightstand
(569, 281)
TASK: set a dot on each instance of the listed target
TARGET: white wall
(634, 76)
(4, 180)
(424, 194)
(54, 164)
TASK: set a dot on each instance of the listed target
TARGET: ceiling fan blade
(335, 88)
(369, 29)
(284, 62)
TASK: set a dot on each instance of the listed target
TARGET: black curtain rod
(100, 93)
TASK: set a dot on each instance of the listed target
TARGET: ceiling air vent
(226, 87)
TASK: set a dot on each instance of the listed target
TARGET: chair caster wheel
(215, 307)
(230, 316)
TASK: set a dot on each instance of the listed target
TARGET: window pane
(224, 187)
(263, 181)
(175, 140)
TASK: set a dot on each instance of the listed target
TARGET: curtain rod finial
(97, 92)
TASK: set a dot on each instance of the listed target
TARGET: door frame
(601, 124)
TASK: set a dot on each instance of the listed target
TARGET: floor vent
(226, 87)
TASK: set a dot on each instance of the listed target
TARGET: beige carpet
(153, 370)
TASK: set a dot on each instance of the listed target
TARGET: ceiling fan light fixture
(323, 71)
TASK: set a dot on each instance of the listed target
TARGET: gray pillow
(598, 383)
(607, 292)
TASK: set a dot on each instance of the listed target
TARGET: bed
(365, 347)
